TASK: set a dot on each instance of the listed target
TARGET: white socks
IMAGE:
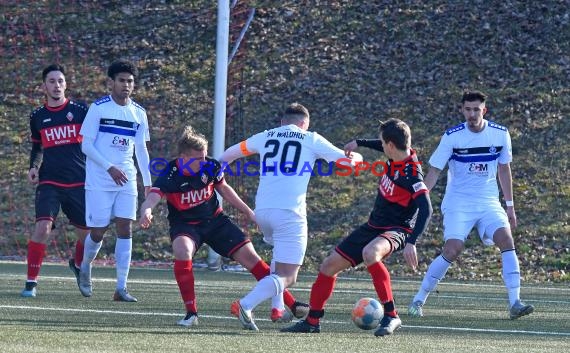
(277, 300)
(511, 275)
(123, 250)
(269, 286)
(439, 267)
(435, 273)
(90, 251)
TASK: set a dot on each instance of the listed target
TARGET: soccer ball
(367, 313)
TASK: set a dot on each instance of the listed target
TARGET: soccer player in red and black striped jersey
(401, 213)
(190, 185)
(57, 166)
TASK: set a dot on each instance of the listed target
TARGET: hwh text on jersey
(61, 135)
(193, 198)
(386, 185)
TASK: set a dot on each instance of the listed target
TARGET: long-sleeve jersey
(56, 144)
(402, 200)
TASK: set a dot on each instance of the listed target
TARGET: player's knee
(124, 228)
(375, 251)
(452, 250)
(372, 255)
(331, 266)
(42, 232)
(503, 239)
(97, 234)
(246, 256)
(290, 280)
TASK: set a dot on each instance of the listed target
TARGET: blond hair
(191, 140)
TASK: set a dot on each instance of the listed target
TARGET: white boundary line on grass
(139, 313)
(299, 289)
(340, 278)
(465, 329)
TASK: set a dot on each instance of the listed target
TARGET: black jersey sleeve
(425, 211)
(412, 180)
(162, 182)
(374, 144)
(213, 169)
(36, 154)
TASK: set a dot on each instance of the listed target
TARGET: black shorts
(220, 233)
(50, 198)
(351, 247)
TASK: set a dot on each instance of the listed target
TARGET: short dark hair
(50, 68)
(471, 96)
(295, 113)
(122, 66)
(397, 132)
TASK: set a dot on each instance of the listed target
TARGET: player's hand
(411, 255)
(33, 176)
(512, 216)
(119, 177)
(349, 148)
(252, 217)
(146, 219)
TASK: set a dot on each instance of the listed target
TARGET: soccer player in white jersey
(114, 128)
(475, 151)
(287, 155)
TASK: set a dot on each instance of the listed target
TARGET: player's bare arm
(506, 181)
(149, 203)
(229, 195)
(411, 255)
(350, 147)
(143, 161)
(425, 211)
(431, 178)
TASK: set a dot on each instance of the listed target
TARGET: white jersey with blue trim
(472, 159)
(287, 159)
(115, 129)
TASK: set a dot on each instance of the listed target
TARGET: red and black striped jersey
(400, 184)
(190, 196)
(55, 131)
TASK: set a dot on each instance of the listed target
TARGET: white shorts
(458, 225)
(286, 231)
(102, 206)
